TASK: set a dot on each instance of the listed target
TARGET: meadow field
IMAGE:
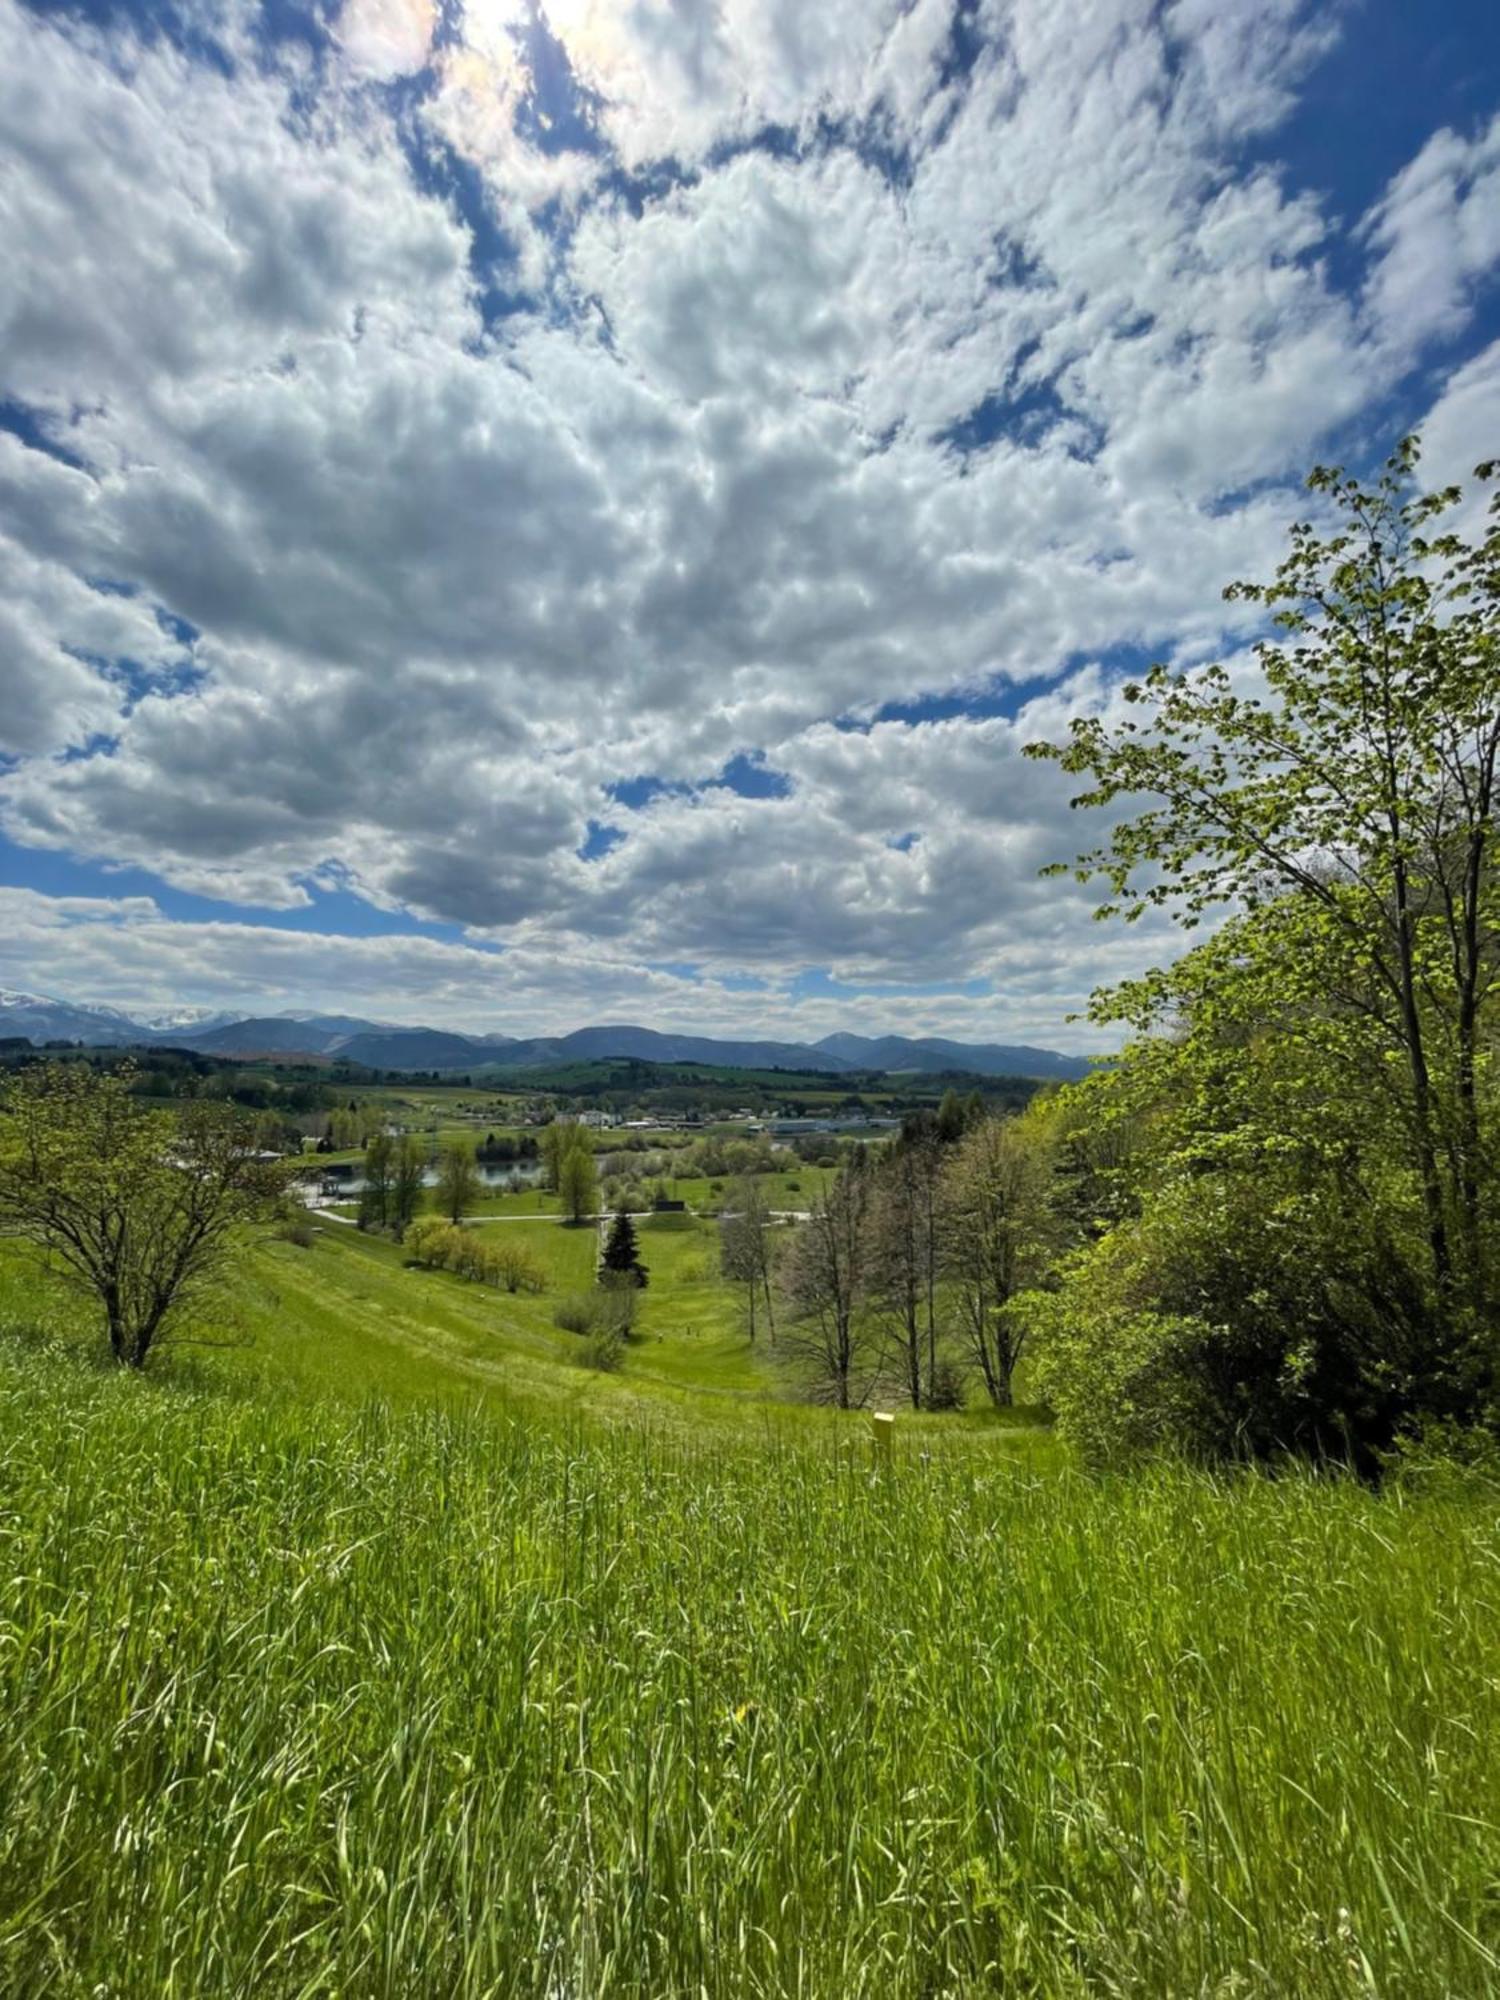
(387, 1653)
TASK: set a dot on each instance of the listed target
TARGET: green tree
(621, 1262)
(408, 1169)
(1338, 1033)
(376, 1178)
(458, 1184)
(141, 1208)
(950, 1117)
(578, 1179)
(558, 1139)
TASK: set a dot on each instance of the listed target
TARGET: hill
(386, 1045)
(894, 1053)
(307, 1695)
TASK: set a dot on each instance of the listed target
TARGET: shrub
(603, 1351)
(427, 1242)
(578, 1313)
(516, 1268)
(1236, 1319)
(615, 1308)
(947, 1389)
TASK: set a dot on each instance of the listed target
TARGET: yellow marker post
(882, 1431)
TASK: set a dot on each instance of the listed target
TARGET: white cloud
(1435, 233)
(982, 370)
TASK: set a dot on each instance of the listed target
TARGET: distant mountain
(647, 1045)
(41, 1019)
(271, 1034)
(186, 1020)
(384, 1045)
(417, 1048)
(898, 1052)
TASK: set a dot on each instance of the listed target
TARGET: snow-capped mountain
(42, 1019)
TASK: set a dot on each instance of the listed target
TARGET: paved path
(329, 1214)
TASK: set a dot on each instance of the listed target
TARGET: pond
(518, 1173)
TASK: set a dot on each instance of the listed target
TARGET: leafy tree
(408, 1167)
(950, 1117)
(458, 1184)
(140, 1207)
(621, 1262)
(377, 1176)
(1332, 1048)
(578, 1179)
(558, 1140)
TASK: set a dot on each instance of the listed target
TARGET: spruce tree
(621, 1262)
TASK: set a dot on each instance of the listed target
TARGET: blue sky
(520, 512)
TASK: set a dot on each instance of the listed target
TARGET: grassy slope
(349, 1318)
(298, 1699)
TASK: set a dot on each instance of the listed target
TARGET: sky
(524, 512)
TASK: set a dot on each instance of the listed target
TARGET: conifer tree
(621, 1262)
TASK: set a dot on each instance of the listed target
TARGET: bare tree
(746, 1256)
(139, 1207)
(824, 1280)
(1000, 1228)
(903, 1254)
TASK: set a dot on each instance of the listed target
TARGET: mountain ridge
(387, 1045)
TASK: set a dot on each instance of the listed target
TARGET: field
(298, 1699)
(388, 1652)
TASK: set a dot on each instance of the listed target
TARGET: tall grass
(298, 1702)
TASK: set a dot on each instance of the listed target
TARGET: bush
(483, 1260)
(610, 1310)
(516, 1268)
(577, 1313)
(426, 1242)
(297, 1227)
(1236, 1318)
(947, 1389)
(602, 1351)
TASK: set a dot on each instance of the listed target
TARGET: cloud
(412, 441)
(1435, 234)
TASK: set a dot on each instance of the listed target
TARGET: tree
(824, 1281)
(458, 1183)
(621, 1262)
(745, 1254)
(902, 1251)
(558, 1139)
(999, 1226)
(408, 1170)
(376, 1180)
(1335, 1039)
(139, 1207)
(578, 1179)
(950, 1117)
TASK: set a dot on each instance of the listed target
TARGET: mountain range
(386, 1045)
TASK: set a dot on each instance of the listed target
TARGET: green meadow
(384, 1651)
